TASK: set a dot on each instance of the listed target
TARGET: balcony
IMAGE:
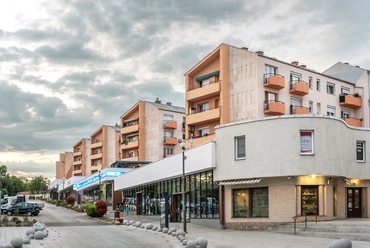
(130, 129)
(353, 122)
(273, 107)
(274, 81)
(170, 124)
(130, 159)
(204, 116)
(96, 156)
(210, 90)
(129, 145)
(95, 145)
(77, 172)
(77, 162)
(350, 101)
(200, 140)
(169, 141)
(299, 110)
(299, 88)
(95, 167)
(75, 154)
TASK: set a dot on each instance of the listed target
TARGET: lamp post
(63, 188)
(99, 193)
(183, 145)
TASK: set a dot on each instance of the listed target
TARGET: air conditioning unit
(191, 128)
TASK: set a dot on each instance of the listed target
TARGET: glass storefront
(309, 199)
(92, 195)
(249, 203)
(202, 197)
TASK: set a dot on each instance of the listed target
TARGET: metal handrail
(293, 83)
(292, 107)
(266, 76)
(267, 103)
(305, 218)
(165, 137)
(197, 112)
(354, 95)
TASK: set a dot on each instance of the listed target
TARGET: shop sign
(306, 142)
(95, 179)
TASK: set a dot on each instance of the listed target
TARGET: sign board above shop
(95, 179)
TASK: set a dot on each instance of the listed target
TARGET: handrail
(165, 121)
(266, 76)
(354, 95)
(293, 107)
(165, 137)
(210, 82)
(291, 83)
(267, 104)
(352, 118)
(197, 112)
(305, 218)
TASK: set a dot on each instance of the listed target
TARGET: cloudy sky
(67, 67)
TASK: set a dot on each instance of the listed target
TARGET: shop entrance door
(139, 203)
(176, 210)
(353, 203)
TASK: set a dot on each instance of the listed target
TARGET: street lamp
(99, 193)
(183, 145)
(63, 188)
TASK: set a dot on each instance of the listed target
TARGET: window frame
(318, 84)
(202, 129)
(328, 84)
(363, 151)
(251, 208)
(312, 152)
(330, 107)
(317, 197)
(310, 107)
(318, 108)
(310, 83)
(236, 148)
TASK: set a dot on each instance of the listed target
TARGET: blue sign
(96, 178)
(81, 192)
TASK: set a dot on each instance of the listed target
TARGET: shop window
(360, 151)
(250, 203)
(310, 201)
(240, 147)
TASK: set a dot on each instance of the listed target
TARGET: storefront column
(221, 190)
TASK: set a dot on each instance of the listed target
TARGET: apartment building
(151, 131)
(81, 158)
(64, 166)
(104, 147)
(234, 84)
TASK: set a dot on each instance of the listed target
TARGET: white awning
(234, 182)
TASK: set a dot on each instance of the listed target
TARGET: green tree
(19, 186)
(38, 184)
(3, 171)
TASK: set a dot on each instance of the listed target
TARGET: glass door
(353, 203)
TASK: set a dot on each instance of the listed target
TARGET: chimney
(303, 66)
(157, 101)
(357, 66)
(295, 63)
(169, 103)
(116, 124)
(259, 52)
(346, 63)
(245, 48)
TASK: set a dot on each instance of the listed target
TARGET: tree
(3, 171)
(38, 184)
(19, 186)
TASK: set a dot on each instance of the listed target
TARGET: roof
(168, 107)
(345, 72)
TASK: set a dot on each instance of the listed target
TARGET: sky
(68, 67)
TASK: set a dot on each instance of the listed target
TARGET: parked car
(7, 202)
(32, 197)
(24, 208)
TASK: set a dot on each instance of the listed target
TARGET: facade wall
(153, 141)
(68, 162)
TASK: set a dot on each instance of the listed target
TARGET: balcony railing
(350, 101)
(165, 155)
(129, 144)
(274, 107)
(170, 124)
(130, 129)
(97, 144)
(355, 122)
(169, 140)
(299, 110)
(274, 81)
(299, 88)
(203, 92)
(197, 117)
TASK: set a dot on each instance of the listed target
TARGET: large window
(249, 203)
(240, 147)
(360, 151)
(310, 199)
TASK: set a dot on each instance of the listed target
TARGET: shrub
(63, 204)
(71, 200)
(16, 211)
(34, 221)
(69, 206)
(18, 222)
(5, 220)
(25, 219)
(90, 210)
(101, 207)
(120, 220)
(59, 202)
(14, 219)
(54, 202)
(76, 208)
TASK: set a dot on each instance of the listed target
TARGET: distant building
(81, 158)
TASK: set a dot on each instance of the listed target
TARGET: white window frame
(310, 107)
(236, 147)
(205, 107)
(344, 91)
(330, 107)
(363, 151)
(131, 154)
(318, 84)
(344, 112)
(328, 86)
(310, 83)
(303, 143)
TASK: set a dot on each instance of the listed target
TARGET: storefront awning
(235, 182)
(207, 76)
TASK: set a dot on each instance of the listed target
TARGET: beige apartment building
(234, 84)
(151, 131)
(81, 158)
(64, 166)
(104, 147)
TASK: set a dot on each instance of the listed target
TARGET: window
(330, 111)
(330, 88)
(97, 151)
(240, 147)
(203, 131)
(97, 162)
(203, 107)
(295, 77)
(310, 199)
(217, 78)
(167, 151)
(269, 96)
(131, 139)
(306, 142)
(344, 91)
(310, 107)
(360, 151)
(294, 102)
(345, 113)
(318, 110)
(203, 83)
(318, 84)
(168, 117)
(168, 134)
(269, 70)
(97, 140)
(310, 82)
(250, 203)
(131, 154)
(217, 102)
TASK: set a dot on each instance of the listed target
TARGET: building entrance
(176, 209)
(139, 203)
(353, 203)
